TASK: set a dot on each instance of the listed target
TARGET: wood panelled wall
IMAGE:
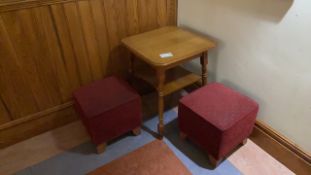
(48, 48)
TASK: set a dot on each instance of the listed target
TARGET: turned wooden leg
(182, 136)
(136, 131)
(161, 118)
(131, 68)
(244, 142)
(204, 62)
(101, 148)
(161, 80)
(214, 162)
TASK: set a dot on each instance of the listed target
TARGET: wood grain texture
(284, 141)
(281, 149)
(78, 42)
(11, 79)
(162, 13)
(101, 30)
(4, 113)
(183, 46)
(12, 5)
(148, 13)
(29, 128)
(116, 18)
(36, 116)
(182, 43)
(67, 67)
(26, 31)
(49, 48)
(176, 78)
(172, 6)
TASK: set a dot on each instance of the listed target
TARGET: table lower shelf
(176, 78)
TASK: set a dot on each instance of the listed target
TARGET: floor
(84, 155)
(46, 152)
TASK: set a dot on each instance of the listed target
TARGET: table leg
(131, 70)
(204, 62)
(161, 81)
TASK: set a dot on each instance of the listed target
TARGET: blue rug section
(82, 159)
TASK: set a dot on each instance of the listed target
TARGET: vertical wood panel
(30, 47)
(162, 12)
(26, 130)
(14, 91)
(78, 42)
(132, 20)
(43, 43)
(50, 48)
(50, 64)
(115, 12)
(172, 11)
(68, 55)
(101, 32)
(4, 114)
(116, 16)
(91, 43)
(148, 15)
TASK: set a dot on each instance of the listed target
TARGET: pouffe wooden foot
(101, 148)
(160, 131)
(136, 131)
(244, 141)
(182, 136)
(214, 162)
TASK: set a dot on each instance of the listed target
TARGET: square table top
(182, 44)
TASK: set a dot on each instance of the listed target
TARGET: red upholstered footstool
(108, 108)
(217, 119)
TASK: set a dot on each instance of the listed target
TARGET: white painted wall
(264, 51)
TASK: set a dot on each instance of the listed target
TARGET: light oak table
(178, 46)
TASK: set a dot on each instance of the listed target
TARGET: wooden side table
(165, 49)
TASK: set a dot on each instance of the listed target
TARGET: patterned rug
(83, 159)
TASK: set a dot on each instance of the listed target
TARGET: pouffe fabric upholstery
(108, 108)
(217, 118)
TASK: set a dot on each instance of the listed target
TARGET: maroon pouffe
(108, 109)
(217, 119)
